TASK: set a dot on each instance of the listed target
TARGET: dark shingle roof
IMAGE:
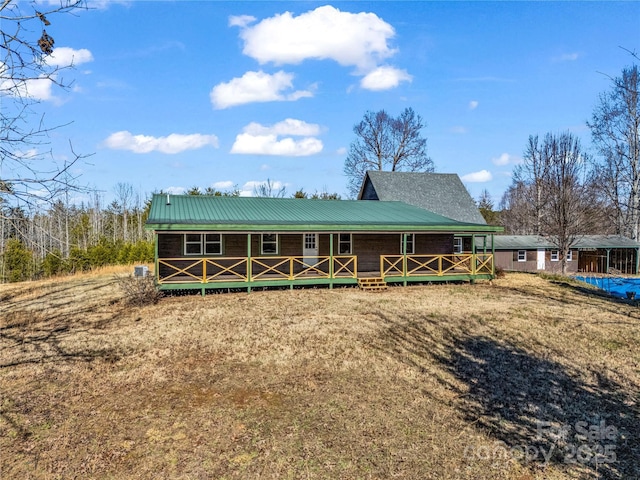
(251, 213)
(531, 242)
(441, 193)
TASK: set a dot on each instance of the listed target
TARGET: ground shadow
(49, 338)
(31, 335)
(537, 410)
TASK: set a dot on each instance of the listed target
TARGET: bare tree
(28, 172)
(550, 194)
(615, 131)
(270, 189)
(534, 171)
(568, 214)
(386, 143)
(124, 195)
(516, 213)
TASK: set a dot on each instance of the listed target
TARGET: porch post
(330, 260)
(404, 259)
(156, 239)
(493, 257)
(607, 266)
(637, 260)
(248, 263)
(474, 264)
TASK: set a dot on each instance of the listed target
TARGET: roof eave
(370, 227)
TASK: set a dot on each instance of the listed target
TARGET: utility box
(140, 271)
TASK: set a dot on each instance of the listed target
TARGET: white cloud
(341, 151)
(249, 188)
(351, 39)
(42, 88)
(270, 145)
(174, 143)
(256, 87)
(65, 57)
(567, 57)
(38, 88)
(258, 139)
(473, 104)
(477, 177)
(506, 159)
(384, 78)
(224, 185)
(241, 20)
(459, 129)
(175, 190)
(288, 126)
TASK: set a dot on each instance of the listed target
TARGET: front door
(310, 248)
(541, 254)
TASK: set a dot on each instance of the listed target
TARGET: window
(457, 244)
(310, 241)
(344, 243)
(522, 255)
(213, 244)
(197, 243)
(410, 243)
(269, 244)
(555, 256)
(192, 244)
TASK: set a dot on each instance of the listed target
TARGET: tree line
(59, 237)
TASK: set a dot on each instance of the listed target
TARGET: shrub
(139, 291)
(52, 264)
(18, 260)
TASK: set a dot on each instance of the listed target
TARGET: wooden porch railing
(230, 269)
(436, 265)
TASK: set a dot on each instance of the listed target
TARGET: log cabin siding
(367, 247)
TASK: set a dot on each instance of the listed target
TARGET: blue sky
(171, 95)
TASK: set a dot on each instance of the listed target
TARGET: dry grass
(417, 382)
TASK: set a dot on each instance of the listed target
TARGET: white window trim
(202, 243)
(411, 242)
(457, 241)
(315, 241)
(193, 242)
(262, 242)
(525, 256)
(216, 242)
(555, 255)
(341, 242)
(569, 256)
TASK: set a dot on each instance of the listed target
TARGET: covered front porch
(358, 257)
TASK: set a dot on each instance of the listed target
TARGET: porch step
(372, 284)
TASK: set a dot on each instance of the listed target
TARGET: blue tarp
(616, 286)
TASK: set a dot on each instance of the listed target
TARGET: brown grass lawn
(485, 381)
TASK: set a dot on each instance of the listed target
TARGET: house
(441, 193)
(590, 253)
(207, 242)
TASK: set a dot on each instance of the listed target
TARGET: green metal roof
(194, 212)
(531, 242)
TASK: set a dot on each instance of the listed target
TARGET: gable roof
(189, 212)
(441, 193)
(531, 242)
